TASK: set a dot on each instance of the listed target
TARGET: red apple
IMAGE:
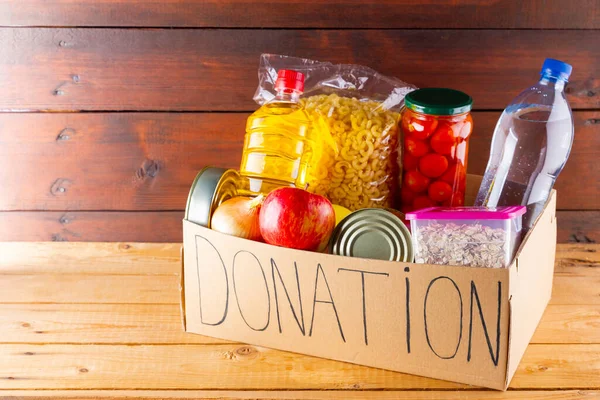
(294, 218)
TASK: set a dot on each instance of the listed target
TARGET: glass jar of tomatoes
(436, 124)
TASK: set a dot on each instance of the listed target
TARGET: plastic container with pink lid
(473, 236)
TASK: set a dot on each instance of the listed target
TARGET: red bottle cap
(289, 80)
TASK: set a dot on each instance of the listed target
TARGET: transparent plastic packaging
(280, 139)
(472, 236)
(356, 161)
(531, 144)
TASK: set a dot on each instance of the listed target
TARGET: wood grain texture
(27, 258)
(84, 276)
(90, 259)
(147, 161)
(189, 367)
(139, 350)
(302, 394)
(107, 324)
(193, 367)
(123, 226)
(165, 226)
(536, 14)
(578, 226)
(161, 324)
(569, 324)
(78, 288)
(132, 161)
(578, 260)
(163, 69)
(150, 289)
(571, 290)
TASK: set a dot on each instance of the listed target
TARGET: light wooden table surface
(101, 320)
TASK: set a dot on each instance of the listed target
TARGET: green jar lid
(438, 101)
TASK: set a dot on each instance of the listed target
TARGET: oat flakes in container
(471, 236)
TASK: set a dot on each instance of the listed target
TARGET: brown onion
(238, 216)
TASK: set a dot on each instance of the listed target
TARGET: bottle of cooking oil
(279, 146)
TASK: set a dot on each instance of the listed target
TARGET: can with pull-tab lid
(211, 187)
(372, 233)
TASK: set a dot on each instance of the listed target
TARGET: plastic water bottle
(531, 144)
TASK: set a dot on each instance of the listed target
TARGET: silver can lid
(373, 233)
(211, 187)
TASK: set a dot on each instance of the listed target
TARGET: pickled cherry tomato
(406, 208)
(461, 150)
(433, 165)
(406, 127)
(409, 162)
(406, 195)
(457, 200)
(443, 141)
(466, 128)
(455, 173)
(439, 191)
(417, 148)
(422, 202)
(436, 146)
(415, 181)
(418, 128)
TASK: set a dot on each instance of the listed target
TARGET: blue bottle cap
(556, 68)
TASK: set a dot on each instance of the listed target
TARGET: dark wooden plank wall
(108, 112)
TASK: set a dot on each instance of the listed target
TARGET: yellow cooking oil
(280, 144)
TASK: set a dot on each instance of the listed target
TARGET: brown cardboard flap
(444, 322)
(531, 283)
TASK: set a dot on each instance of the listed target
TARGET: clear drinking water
(531, 144)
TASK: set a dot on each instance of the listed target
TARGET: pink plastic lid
(509, 212)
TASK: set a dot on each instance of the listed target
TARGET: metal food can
(211, 187)
(373, 233)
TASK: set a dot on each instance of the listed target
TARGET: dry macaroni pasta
(365, 171)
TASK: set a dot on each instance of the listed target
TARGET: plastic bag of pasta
(359, 109)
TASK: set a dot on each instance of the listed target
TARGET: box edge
(512, 367)
(182, 288)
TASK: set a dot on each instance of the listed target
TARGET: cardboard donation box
(464, 324)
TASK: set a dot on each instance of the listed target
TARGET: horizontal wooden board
(578, 226)
(163, 289)
(303, 394)
(132, 161)
(161, 324)
(147, 161)
(87, 278)
(194, 366)
(26, 258)
(578, 260)
(215, 69)
(90, 259)
(115, 324)
(571, 290)
(536, 14)
(165, 226)
(90, 226)
(569, 324)
(119, 226)
(79, 288)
